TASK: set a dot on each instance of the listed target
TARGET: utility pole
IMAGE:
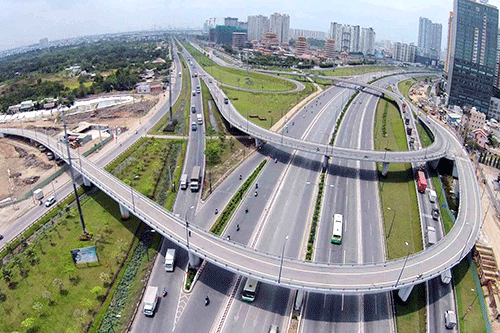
(73, 176)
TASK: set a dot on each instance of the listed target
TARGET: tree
(212, 152)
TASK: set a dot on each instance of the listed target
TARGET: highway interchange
(285, 201)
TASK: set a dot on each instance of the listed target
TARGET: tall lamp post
(392, 223)
(187, 226)
(281, 263)
(404, 264)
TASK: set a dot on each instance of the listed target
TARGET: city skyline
(55, 20)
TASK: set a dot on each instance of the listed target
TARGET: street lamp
(392, 223)
(282, 254)
(404, 264)
(187, 226)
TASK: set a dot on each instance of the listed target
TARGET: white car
(50, 201)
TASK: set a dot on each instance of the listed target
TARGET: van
(184, 181)
(193, 126)
(180, 74)
(450, 319)
(199, 119)
(274, 329)
(432, 196)
(170, 260)
(193, 109)
(226, 100)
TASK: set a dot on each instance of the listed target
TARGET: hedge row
(224, 218)
(337, 125)
(316, 214)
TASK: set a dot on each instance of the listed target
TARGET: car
(435, 213)
(50, 201)
(194, 92)
(1, 236)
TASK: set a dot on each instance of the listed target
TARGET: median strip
(339, 121)
(221, 222)
(316, 215)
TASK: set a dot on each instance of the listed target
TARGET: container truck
(194, 181)
(421, 181)
(150, 300)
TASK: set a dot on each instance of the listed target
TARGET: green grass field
(270, 107)
(37, 302)
(397, 192)
(238, 78)
(351, 70)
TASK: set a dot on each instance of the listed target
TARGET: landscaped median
(399, 210)
(227, 213)
(315, 219)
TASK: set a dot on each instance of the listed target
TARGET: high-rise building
(231, 21)
(301, 46)
(239, 39)
(404, 52)
(472, 55)
(448, 45)
(330, 48)
(352, 39)
(295, 33)
(257, 26)
(280, 25)
(429, 38)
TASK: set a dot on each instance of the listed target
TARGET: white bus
(249, 290)
(337, 229)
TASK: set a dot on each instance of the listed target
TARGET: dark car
(435, 213)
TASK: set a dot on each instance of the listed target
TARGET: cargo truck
(431, 235)
(38, 194)
(170, 260)
(194, 181)
(446, 276)
(184, 181)
(150, 300)
(421, 181)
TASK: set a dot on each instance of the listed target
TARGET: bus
(337, 229)
(249, 290)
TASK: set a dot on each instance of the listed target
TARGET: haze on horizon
(25, 22)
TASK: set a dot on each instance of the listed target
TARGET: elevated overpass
(296, 274)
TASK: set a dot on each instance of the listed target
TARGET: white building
(280, 25)
(352, 38)
(404, 52)
(429, 38)
(257, 25)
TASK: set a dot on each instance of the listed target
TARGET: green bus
(249, 290)
(337, 229)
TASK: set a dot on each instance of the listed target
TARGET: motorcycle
(207, 301)
(164, 292)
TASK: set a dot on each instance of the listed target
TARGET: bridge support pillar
(86, 182)
(299, 299)
(385, 168)
(433, 164)
(194, 260)
(125, 213)
(258, 143)
(455, 172)
(324, 166)
(404, 293)
(457, 189)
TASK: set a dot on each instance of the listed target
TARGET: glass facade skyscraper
(472, 58)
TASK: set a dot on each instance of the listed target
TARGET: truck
(194, 181)
(170, 260)
(184, 181)
(150, 299)
(38, 194)
(431, 235)
(199, 119)
(421, 181)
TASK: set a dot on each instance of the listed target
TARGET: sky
(25, 22)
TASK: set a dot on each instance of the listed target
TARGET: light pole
(392, 223)
(281, 263)
(187, 226)
(404, 264)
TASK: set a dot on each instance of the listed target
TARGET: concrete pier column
(194, 260)
(258, 142)
(324, 165)
(404, 293)
(299, 299)
(433, 164)
(125, 212)
(385, 168)
(457, 189)
(86, 182)
(455, 171)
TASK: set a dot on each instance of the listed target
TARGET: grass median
(399, 210)
(238, 77)
(266, 109)
(352, 70)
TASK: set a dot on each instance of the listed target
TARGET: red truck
(421, 181)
